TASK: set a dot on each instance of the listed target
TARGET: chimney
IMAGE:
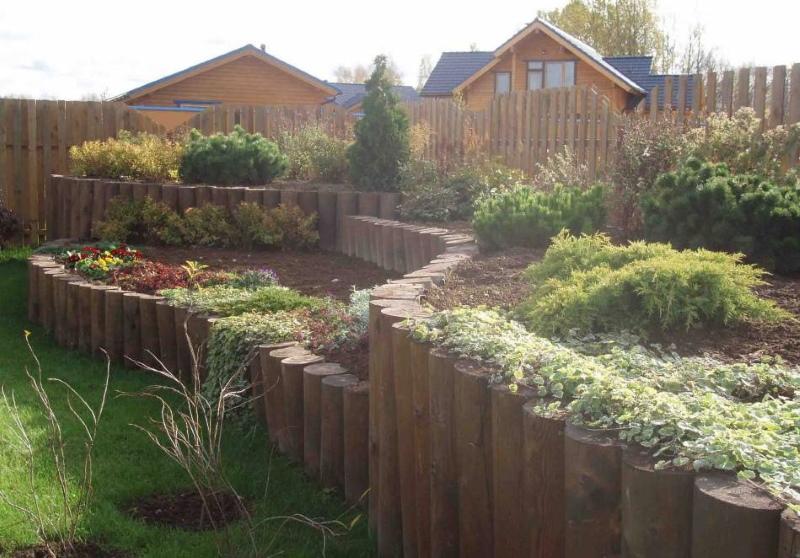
(263, 47)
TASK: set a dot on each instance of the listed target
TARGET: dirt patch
(353, 359)
(496, 280)
(79, 550)
(314, 273)
(488, 279)
(185, 510)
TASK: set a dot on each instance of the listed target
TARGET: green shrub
(141, 157)
(226, 300)
(208, 225)
(382, 138)
(140, 221)
(10, 226)
(525, 217)
(291, 228)
(314, 155)
(702, 204)
(739, 142)
(238, 158)
(250, 226)
(589, 285)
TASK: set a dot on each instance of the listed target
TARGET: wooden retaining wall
(74, 205)
(450, 465)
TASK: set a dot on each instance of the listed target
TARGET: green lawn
(128, 466)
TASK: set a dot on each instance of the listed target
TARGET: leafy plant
(10, 226)
(141, 157)
(291, 228)
(237, 158)
(381, 137)
(314, 155)
(250, 226)
(140, 221)
(639, 287)
(207, 225)
(562, 169)
(254, 278)
(702, 204)
(525, 217)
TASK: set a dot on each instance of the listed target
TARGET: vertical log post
(73, 317)
(543, 462)
(511, 529)
(273, 391)
(183, 358)
(346, 204)
(257, 378)
(308, 202)
(292, 380)
(474, 450)
(97, 312)
(592, 484)
(656, 508)
(148, 319)
(113, 324)
(165, 314)
(331, 464)
(85, 317)
(356, 442)
(422, 443)
(131, 332)
(444, 469)
(734, 519)
(789, 538)
(313, 375)
(326, 224)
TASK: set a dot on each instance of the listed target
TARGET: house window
(535, 74)
(559, 74)
(502, 83)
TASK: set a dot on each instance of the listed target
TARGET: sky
(67, 50)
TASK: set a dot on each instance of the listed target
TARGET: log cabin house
(245, 76)
(543, 56)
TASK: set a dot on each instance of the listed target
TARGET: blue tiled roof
(353, 93)
(659, 80)
(452, 69)
(246, 48)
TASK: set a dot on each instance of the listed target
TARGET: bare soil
(353, 359)
(496, 280)
(184, 510)
(316, 273)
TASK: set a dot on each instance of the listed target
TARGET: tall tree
(359, 73)
(382, 140)
(697, 57)
(425, 69)
(617, 27)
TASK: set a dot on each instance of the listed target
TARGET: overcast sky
(67, 49)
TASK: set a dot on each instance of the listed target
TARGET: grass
(127, 466)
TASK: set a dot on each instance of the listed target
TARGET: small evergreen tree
(382, 143)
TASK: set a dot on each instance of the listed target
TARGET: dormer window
(502, 83)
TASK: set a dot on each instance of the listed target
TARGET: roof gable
(578, 47)
(246, 50)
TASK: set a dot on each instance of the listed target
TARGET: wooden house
(245, 76)
(540, 56)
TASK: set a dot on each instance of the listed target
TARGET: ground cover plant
(127, 467)
(141, 156)
(703, 204)
(695, 412)
(523, 216)
(589, 284)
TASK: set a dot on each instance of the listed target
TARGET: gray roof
(638, 68)
(353, 93)
(452, 69)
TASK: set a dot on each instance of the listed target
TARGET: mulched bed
(184, 510)
(495, 280)
(353, 359)
(80, 550)
(314, 273)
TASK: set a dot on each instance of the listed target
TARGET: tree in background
(697, 57)
(617, 27)
(359, 73)
(382, 140)
(425, 69)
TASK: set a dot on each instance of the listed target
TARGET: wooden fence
(35, 137)
(272, 121)
(773, 93)
(522, 128)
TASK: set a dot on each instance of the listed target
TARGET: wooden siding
(243, 81)
(538, 46)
